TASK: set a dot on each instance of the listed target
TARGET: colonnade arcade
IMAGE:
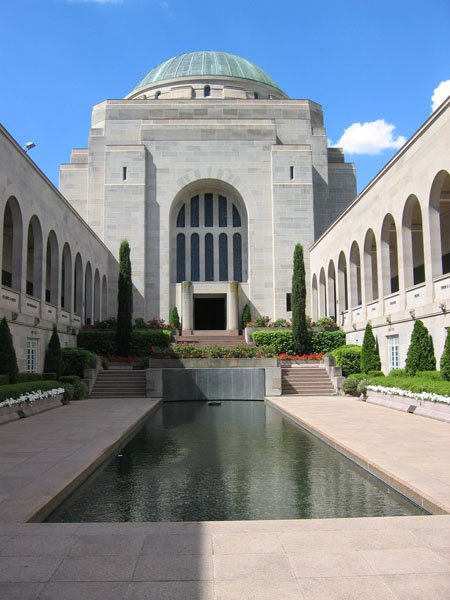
(405, 250)
(41, 264)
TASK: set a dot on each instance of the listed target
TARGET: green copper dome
(191, 64)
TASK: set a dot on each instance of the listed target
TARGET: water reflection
(240, 460)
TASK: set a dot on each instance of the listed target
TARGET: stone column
(233, 305)
(187, 305)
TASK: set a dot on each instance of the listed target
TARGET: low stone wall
(433, 410)
(19, 411)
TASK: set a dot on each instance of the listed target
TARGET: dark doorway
(209, 313)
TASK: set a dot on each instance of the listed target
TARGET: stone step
(120, 384)
(304, 381)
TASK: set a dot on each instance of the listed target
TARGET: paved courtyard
(403, 558)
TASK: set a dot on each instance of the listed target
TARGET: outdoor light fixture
(443, 307)
(14, 316)
(412, 313)
(388, 319)
(29, 146)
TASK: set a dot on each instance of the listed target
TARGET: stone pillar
(187, 305)
(233, 305)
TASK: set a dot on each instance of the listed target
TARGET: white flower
(420, 396)
(30, 397)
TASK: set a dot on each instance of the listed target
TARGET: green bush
(415, 384)
(174, 318)
(53, 357)
(4, 379)
(99, 341)
(80, 390)
(348, 358)
(246, 316)
(107, 323)
(23, 377)
(78, 359)
(8, 359)
(350, 385)
(49, 376)
(398, 373)
(281, 340)
(375, 373)
(69, 379)
(193, 351)
(361, 388)
(68, 392)
(445, 358)
(325, 322)
(326, 341)
(14, 390)
(140, 323)
(142, 340)
(430, 375)
(420, 356)
(370, 357)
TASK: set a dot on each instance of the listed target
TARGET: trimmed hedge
(193, 351)
(23, 377)
(430, 375)
(4, 379)
(104, 341)
(68, 391)
(78, 359)
(350, 385)
(283, 342)
(14, 390)
(69, 379)
(414, 384)
(80, 390)
(326, 341)
(348, 358)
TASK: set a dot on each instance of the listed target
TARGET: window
(195, 219)
(236, 217)
(393, 352)
(288, 302)
(291, 172)
(237, 257)
(32, 350)
(181, 260)
(157, 95)
(124, 173)
(222, 211)
(207, 91)
(208, 210)
(223, 257)
(181, 218)
(195, 257)
(256, 95)
(209, 257)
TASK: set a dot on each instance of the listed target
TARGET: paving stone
(317, 563)
(96, 568)
(234, 567)
(173, 590)
(405, 560)
(160, 567)
(423, 586)
(107, 545)
(20, 591)
(37, 545)
(31, 569)
(81, 590)
(258, 590)
(246, 543)
(345, 588)
(189, 543)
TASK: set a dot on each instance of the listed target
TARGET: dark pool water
(239, 460)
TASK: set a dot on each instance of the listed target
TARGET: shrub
(193, 351)
(98, 341)
(69, 379)
(420, 356)
(325, 322)
(361, 388)
(326, 341)
(156, 323)
(174, 318)
(415, 384)
(23, 377)
(397, 373)
(14, 390)
(140, 323)
(53, 357)
(370, 357)
(375, 373)
(436, 375)
(142, 340)
(445, 358)
(246, 316)
(68, 392)
(280, 323)
(8, 360)
(4, 379)
(350, 385)
(78, 359)
(80, 390)
(110, 323)
(348, 358)
(261, 321)
(281, 340)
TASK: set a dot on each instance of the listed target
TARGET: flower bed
(419, 396)
(30, 403)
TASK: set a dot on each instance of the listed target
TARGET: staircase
(211, 338)
(119, 383)
(306, 381)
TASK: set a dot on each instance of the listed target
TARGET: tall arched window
(181, 258)
(413, 253)
(78, 286)
(52, 270)
(355, 276)
(389, 256)
(34, 258)
(209, 257)
(342, 283)
(12, 245)
(181, 218)
(371, 266)
(66, 278)
(195, 257)
(331, 286)
(88, 295)
(207, 91)
(237, 257)
(104, 297)
(223, 257)
(96, 296)
(439, 211)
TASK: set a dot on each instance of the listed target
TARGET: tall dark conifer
(8, 360)
(124, 301)
(298, 303)
(53, 357)
(420, 355)
(370, 357)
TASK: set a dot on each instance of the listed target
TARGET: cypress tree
(370, 357)
(246, 316)
(124, 301)
(8, 359)
(445, 358)
(53, 357)
(420, 355)
(174, 318)
(298, 303)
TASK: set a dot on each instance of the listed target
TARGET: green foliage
(124, 300)
(68, 392)
(69, 379)
(53, 357)
(420, 355)
(140, 323)
(415, 384)
(4, 379)
(49, 376)
(193, 351)
(348, 358)
(246, 316)
(14, 390)
(8, 360)
(436, 375)
(261, 321)
(281, 340)
(78, 359)
(80, 390)
(350, 385)
(375, 373)
(107, 324)
(325, 322)
(326, 341)
(174, 318)
(370, 357)
(361, 388)
(99, 341)
(23, 377)
(142, 340)
(302, 344)
(445, 358)
(397, 373)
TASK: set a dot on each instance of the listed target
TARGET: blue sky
(374, 63)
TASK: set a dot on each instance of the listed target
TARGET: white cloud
(370, 138)
(440, 93)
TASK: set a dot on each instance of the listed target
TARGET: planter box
(26, 409)
(434, 410)
(210, 363)
(298, 364)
